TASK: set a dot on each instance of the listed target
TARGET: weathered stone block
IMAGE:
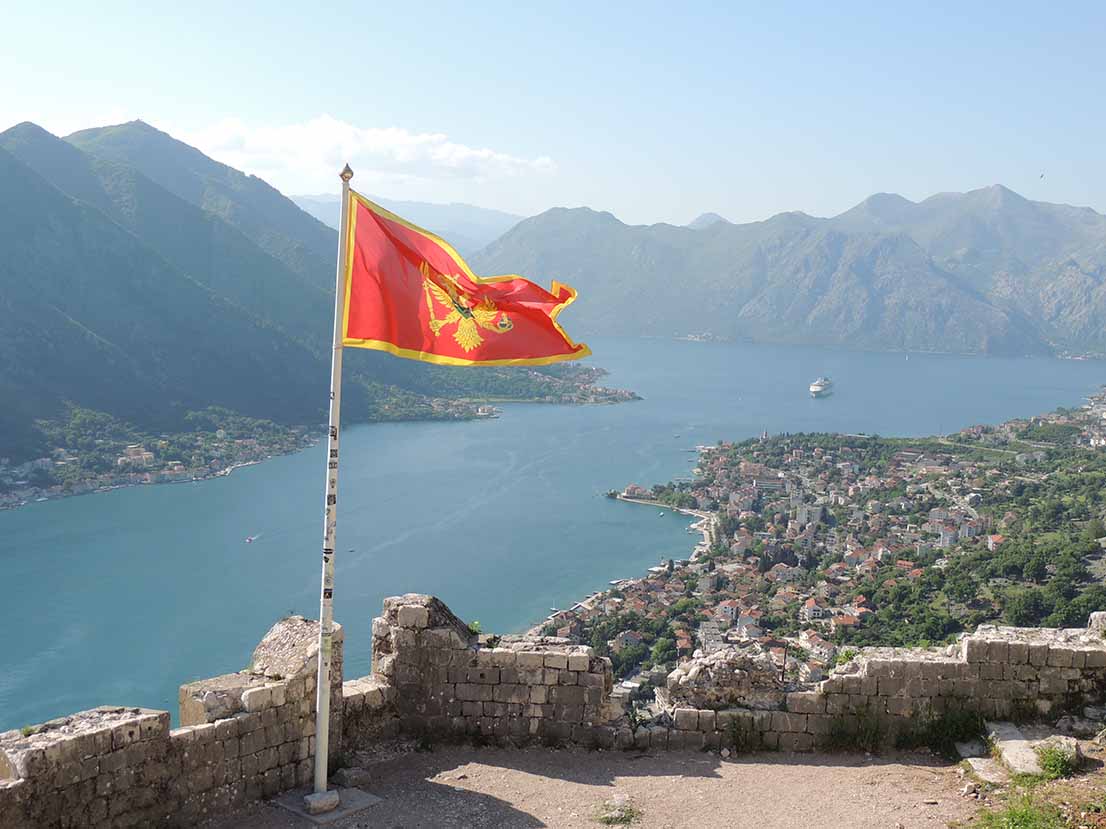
(796, 742)
(990, 670)
(706, 721)
(819, 724)
(1096, 658)
(890, 686)
(591, 680)
(687, 719)
(529, 659)
(578, 662)
(567, 695)
(255, 700)
(658, 736)
(1051, 683)
(806, 702)
(974, 649)
(483, 676)
(481, 693)
(556, 660)
(566, 678)
(413, 616)
(1059, 657)
(512, 693)
(787, 722)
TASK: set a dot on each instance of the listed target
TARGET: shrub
(739, 735)
(1056, 762)
(857, 732)
(1023, 813)
(941, 732)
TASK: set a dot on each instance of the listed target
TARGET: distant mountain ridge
(985, 271)
(467, 227)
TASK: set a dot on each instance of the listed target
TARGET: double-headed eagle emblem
(469, 314)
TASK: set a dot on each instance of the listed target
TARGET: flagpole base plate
(346, 801)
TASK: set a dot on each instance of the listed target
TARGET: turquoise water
(118, 598)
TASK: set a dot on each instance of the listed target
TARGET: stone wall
(243, 736)
(998, 672)
(250, 735)
(443, 682)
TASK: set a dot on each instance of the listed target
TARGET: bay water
(118, 598)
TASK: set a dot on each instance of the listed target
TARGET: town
(815, 544)
(95, 453)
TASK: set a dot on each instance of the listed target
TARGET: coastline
(706, 525)
(219, 473)
(601, 396)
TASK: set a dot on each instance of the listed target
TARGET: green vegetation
(940, 732)
(859, 732)
(1056, 763)
(618, 812)
(1062, 434)
(845, 656)
(1022, 812)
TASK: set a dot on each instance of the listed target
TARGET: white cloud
(306, 157)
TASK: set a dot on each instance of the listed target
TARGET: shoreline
(705, 525)
(615, 397)
(219, 473)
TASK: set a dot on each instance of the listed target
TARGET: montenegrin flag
(409, 293)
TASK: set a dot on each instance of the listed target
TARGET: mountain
(985, 271)
(466, 227)
(91, 314)
(145, 280)
(704, 220)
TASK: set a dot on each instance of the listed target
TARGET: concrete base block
(333, 805)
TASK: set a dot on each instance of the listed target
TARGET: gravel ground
(465, 787)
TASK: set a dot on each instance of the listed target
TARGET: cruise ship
(821, 387)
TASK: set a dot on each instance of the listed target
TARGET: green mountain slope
(985, 271)
(92, 315)
(246, 202)
(199, 243)
(122, 296)
(305, 245)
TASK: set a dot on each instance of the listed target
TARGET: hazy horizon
(654, 117)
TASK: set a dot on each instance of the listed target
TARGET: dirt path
(466, 788)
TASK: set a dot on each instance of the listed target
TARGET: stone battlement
(251, 734)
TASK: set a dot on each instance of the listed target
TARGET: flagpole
(330, 509)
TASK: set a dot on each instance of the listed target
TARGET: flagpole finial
(346, 174)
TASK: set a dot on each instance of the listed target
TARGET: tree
(1035, 569)
(1025, 608)
(664, 650)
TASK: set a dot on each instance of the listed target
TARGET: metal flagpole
(326, 602)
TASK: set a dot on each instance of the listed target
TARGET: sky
(653, 111)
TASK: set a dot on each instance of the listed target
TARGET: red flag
(409, 293)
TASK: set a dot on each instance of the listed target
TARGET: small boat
(660, 515)
(250, 539)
